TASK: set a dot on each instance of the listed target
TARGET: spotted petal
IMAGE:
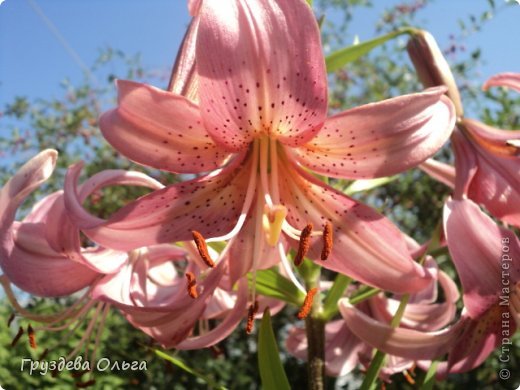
(160, 129)
(479, 249)
(366, 246)
(381, 139)
(210, 205)
(260, 71)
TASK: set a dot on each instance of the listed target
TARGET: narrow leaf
(270, 283)
(179, 363)
(271, 369)
(343, 56)
(370, 184)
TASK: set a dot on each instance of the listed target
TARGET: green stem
(363, 295)
(330, 306)
(379, 357)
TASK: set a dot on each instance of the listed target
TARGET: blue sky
(33, 61)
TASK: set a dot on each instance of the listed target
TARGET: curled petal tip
(507, 79)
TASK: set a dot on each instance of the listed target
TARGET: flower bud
(431, 66)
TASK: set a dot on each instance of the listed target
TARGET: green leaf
(271, 369)
(179, 363)
(365, 185)
(429, 378)
(270, 283)
(343, 56)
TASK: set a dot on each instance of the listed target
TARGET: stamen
(307, 304)
(288, 269)
(44, 354)
(408, 377)
(32, 336)
(17, 337)
(264, 151)
(50, 319)
(88, 331)
(10, 320)
(305, 243)
(83, 385)
(274, 170)
(272, 221)
(251, 189)
(202, 248)
(253, 309)
(259, 242)
(101, 326)
(327, 241)
(192, 285)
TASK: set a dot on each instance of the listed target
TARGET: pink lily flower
(42, 254)
(26, 258)
(344, 350)
(260, 120)
(483, 254)
(154, 298)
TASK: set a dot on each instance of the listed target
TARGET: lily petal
(210, 205)
(171, 327)
(381, 139)
(35, 268)
(508, 79)
(260, 71)
(420, 316)
(225, 328)
(477, 342)
(160, 129)
(241, 253)
(25, 256)
(194, 7)
(476, 244)
(27, 179)
(64, 237)
(407, 343)
(494, 179)
(440, 171)
(184, 79)
(366, 246)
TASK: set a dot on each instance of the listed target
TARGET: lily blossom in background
(42, 255)
(487, 159)
(483, 254)
(344, 350)
(257, 122)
